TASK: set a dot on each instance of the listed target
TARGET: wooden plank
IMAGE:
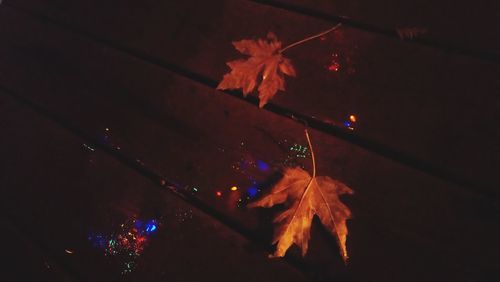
(452, 25)
(424, 108)
(63, 192)
(192, 134)
(25, 261)
(24, 258)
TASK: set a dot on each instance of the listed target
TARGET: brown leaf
(306, 196)
(409, 33)
(265, 65)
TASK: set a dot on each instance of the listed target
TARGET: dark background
(110, 121)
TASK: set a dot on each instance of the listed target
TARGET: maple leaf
(265, 65)
(305, 196)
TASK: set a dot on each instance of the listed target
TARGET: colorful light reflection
(128, 243)
(253, 191)
(350, 122)
(263, 166)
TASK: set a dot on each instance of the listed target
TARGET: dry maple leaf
(265, 65)
(305, 196)
(410, 32)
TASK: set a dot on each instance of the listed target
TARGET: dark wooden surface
(66, 191)
(401, 93)
(456, 26)
(137, 82)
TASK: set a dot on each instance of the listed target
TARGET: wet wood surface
(67, 192)
(402, 94)
(142, 95)
(455, 26)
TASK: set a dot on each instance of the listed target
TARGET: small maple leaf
(265, 65)
(305, 196)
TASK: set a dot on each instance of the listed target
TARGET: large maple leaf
(265, 65)
(305, 196)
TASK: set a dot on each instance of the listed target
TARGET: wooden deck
(109, 112)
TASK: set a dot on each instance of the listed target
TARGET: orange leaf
(305, 197)
(265, 65)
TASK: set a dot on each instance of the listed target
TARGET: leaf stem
(310, 38)
(308, 184)
(312, 153)
(339, 240)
